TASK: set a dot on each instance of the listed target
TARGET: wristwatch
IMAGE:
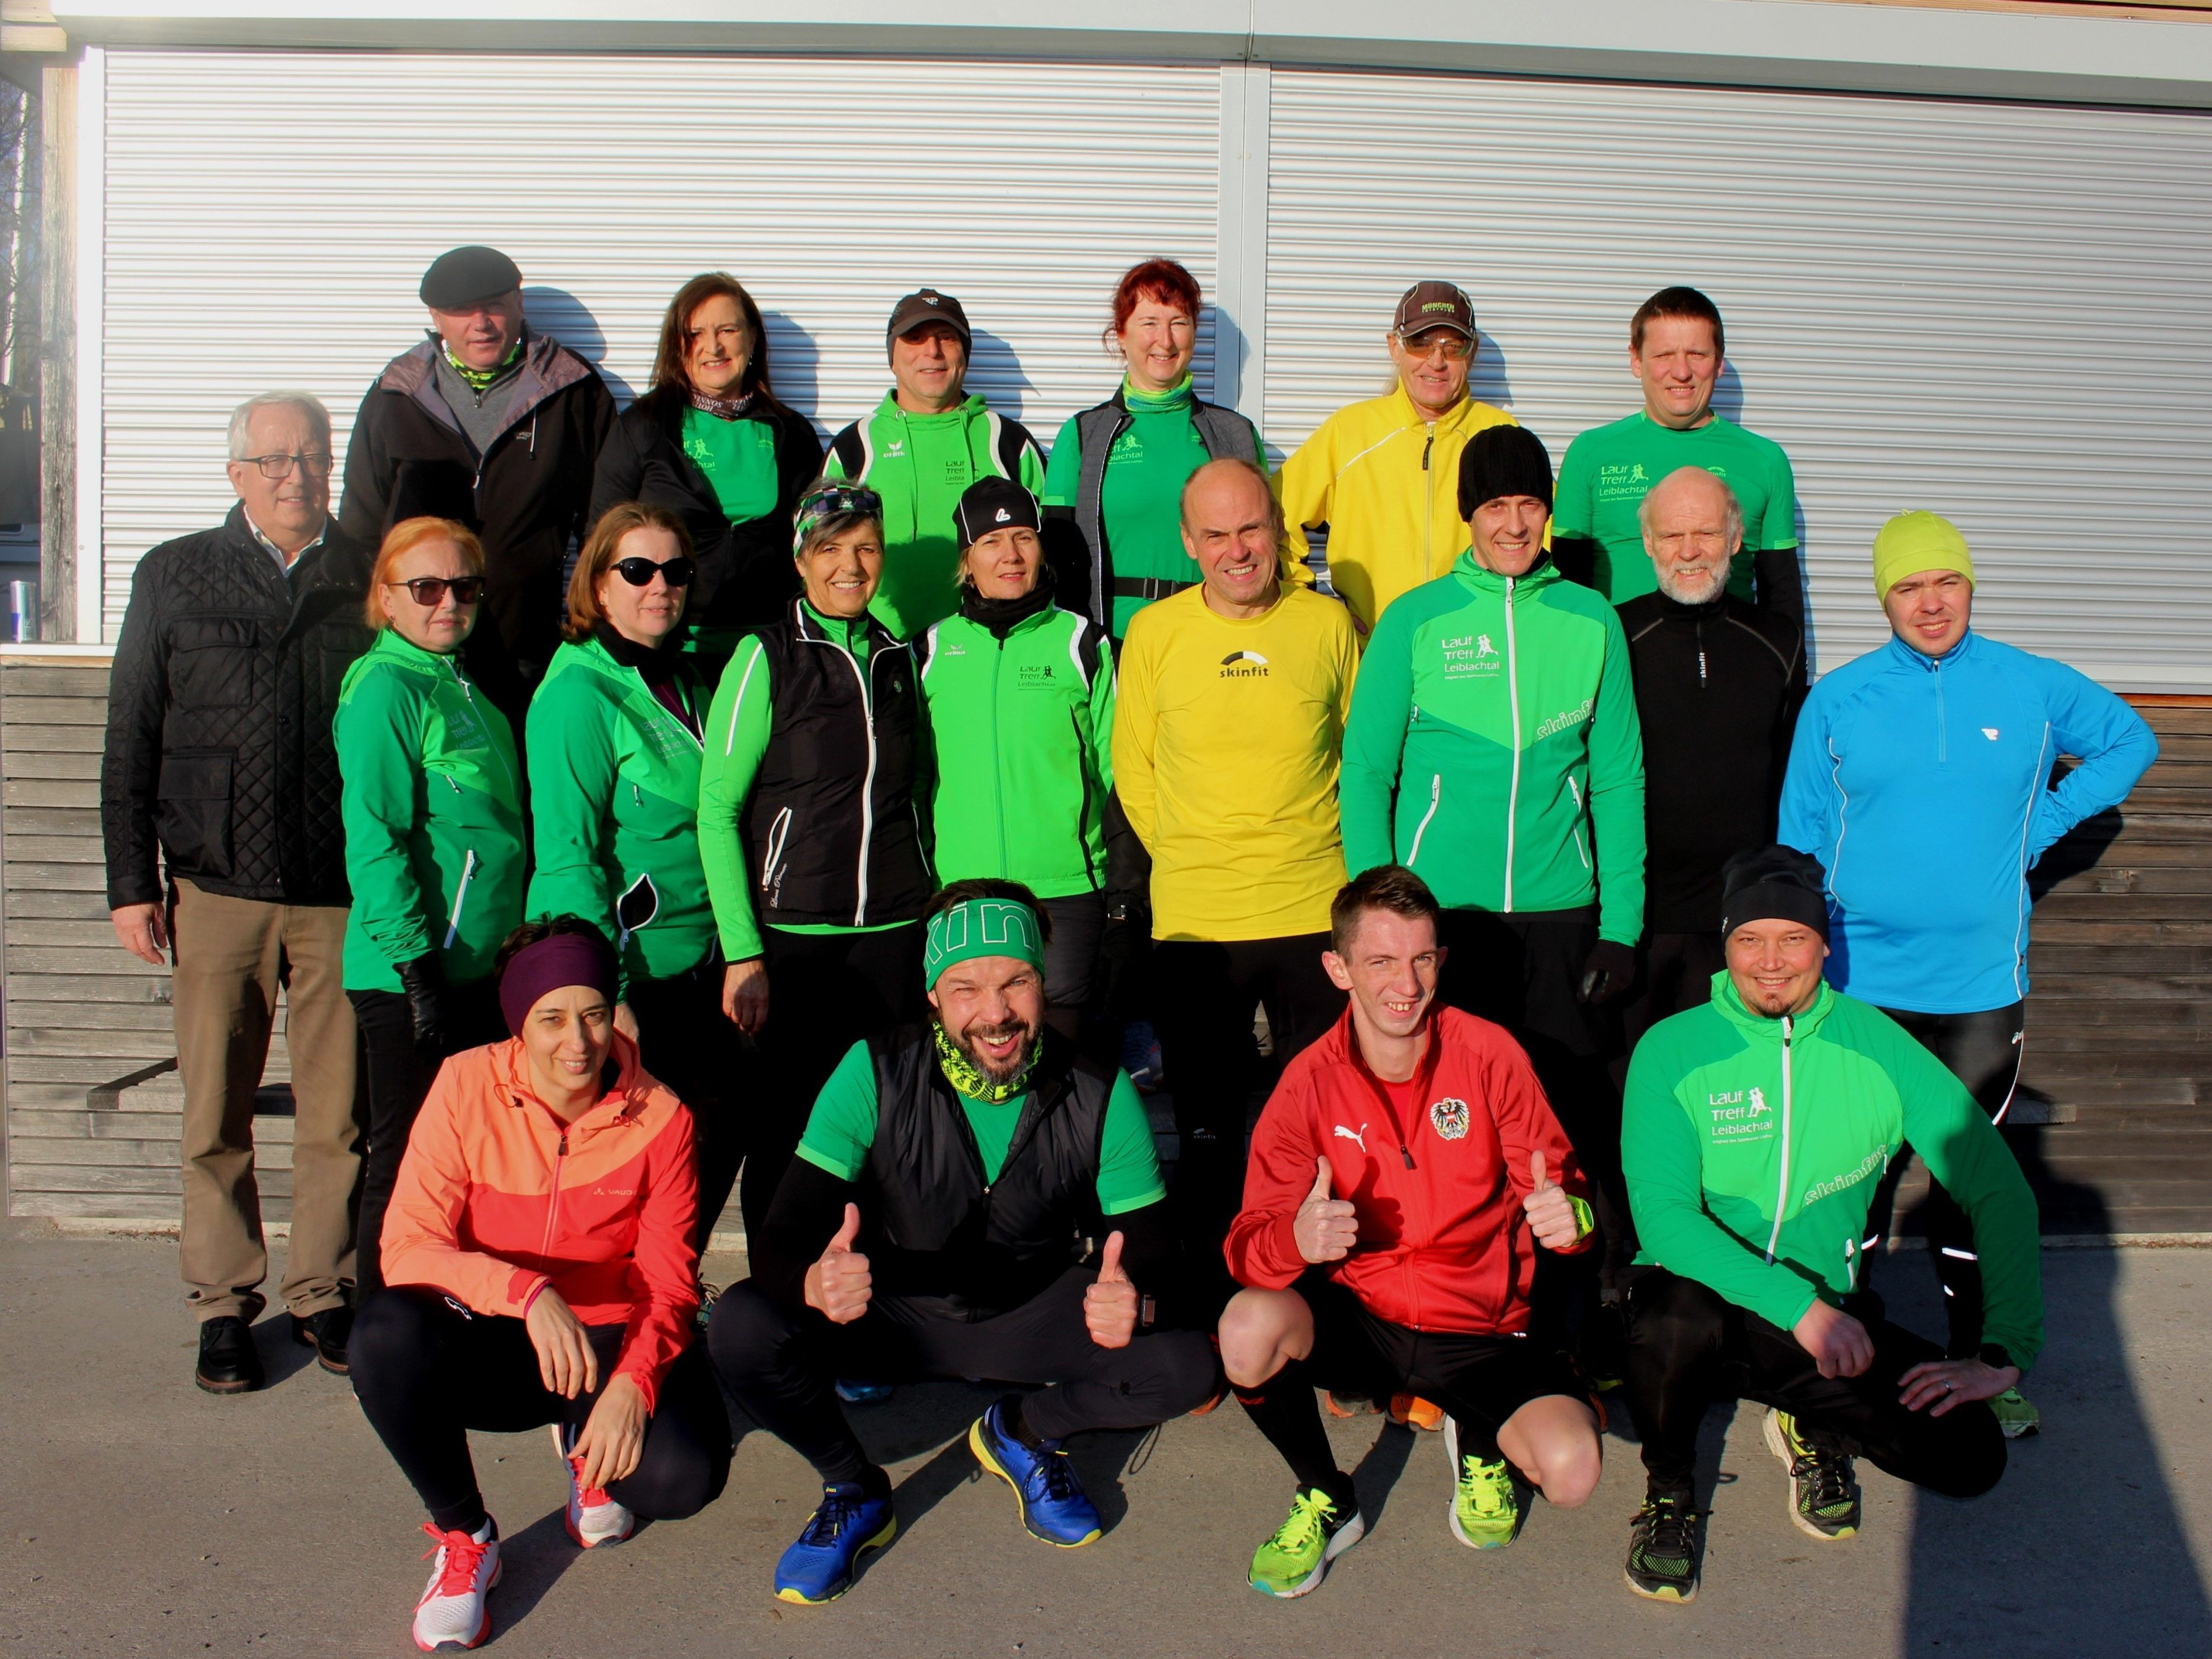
(1117, 909)
(1995, 1356)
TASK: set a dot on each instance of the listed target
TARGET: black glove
(1122, 948)
(1609, 972)
(424, 983)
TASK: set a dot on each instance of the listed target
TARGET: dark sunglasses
(429, 591)
(638, 572)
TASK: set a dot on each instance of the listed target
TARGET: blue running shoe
(854, 1392)
(820, 1565)
(1052, 1502)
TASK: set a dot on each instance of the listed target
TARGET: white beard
(1701, 589)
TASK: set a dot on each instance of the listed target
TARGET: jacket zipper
(553, 1198)
(469, 696)
(1513, 707)
(1428, 507)
(1436, 794)
(1942, 725)
(867, 780)
(1782, 1188)
(998, 756)
(1575, 789)
(460, 896)
(776, 832)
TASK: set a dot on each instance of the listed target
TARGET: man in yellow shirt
(1383, 475)
(1227, 741)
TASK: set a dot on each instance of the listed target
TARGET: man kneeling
(1757, 1130)
(961, 1163)
(1432, 1124)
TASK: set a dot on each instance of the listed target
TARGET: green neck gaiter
(1178, 396)
(478, 378)
(962, 1074)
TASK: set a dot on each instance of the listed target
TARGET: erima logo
(1243, 665)
(1003, 517)
(1359, 1140)
(1991, 733)
(897, 447)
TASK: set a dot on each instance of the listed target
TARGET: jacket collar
(810, 625)
(967, 409)
(548, 368)
(1407, 413)
(618, 1107)
(1912, 657)
(334, 563)
(1759, 1027)
(392, 646)
(1478, 580)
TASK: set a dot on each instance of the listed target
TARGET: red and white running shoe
(593, 1518)
(452, 1613)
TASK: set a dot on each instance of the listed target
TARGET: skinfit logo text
(1244, 666)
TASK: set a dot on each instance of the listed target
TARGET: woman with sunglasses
(810, 825)
(613, 744)
(710, 442)
(432, 805)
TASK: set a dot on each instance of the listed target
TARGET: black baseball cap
(990, 504)
(467, 277)
(927, 306)
(1434, 305)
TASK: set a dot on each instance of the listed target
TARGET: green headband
(981, 928)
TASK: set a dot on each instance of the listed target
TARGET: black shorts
(1477, 1379)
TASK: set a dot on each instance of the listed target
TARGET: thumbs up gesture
(1109, 1306)
(837, 1284)
(1551, 1218)
(1325, 1228)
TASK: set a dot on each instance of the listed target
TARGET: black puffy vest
(832, 828)
(931, 1225)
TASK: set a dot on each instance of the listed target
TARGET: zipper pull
(1426, 447)
(1404, 1152)
(562, 1150)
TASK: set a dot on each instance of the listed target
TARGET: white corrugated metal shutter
(270, 213)
(2002, 313)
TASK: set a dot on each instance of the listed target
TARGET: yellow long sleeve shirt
(1227, 742)
(1385, 480)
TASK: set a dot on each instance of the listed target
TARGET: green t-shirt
(843, 1127)
(1140, 498)
(739, 458)
(1609, 469)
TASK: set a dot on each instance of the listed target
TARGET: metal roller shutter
(1999, 312)
(268, 216)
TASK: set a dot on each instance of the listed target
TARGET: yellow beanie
(1913, 542)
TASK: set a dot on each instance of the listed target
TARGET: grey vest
(1225, 434)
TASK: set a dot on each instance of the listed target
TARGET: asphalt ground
(146, 1517)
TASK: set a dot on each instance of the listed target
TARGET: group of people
(822, 839)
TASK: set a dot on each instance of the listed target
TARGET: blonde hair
(598, 554)
(403, 538)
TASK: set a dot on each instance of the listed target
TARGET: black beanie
(990, 504)
(1504, 460)
(1774, 884)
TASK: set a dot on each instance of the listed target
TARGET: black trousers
(426, 1371)
(1982, 1051)
(1688, 1347)
(826, 992)
(685, 1041)
(1675, 972)
(1204, 993)
(1072, 978)
(395, 1075)
(782, 1367)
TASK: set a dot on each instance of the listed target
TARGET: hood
(547, 367)
(966, 410)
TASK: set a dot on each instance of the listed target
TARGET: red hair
(1160, 280)
(403, 538)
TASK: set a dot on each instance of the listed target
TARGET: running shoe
(1351, 1404)
(1485, 1509)
(452, 1615)
(593, 1518)
(1663, 1548)
(820, 1563)
(1313, 1535)
(1415, 1411)
(1053, 1505)
(854, 1392)
(2015, 1416)
(1824, 1500)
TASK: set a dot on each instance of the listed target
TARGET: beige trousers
(231, 957)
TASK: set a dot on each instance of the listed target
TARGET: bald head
(1232, 525)
(1693, 527)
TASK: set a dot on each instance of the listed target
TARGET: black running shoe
(1824, 1499)
(1663, 1548)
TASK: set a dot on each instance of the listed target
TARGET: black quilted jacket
(226, 676)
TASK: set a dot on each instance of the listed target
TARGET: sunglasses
(640, 572)
(430, 590)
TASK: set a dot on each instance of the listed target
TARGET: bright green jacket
(1023, 729)
(920, 465)
(614, 793)
(432, 805)
(1753, 1147)
(1493, 746)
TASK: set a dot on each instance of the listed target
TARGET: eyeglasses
(314, 464)
(639, 572)
(1455, 348)
(430, 592)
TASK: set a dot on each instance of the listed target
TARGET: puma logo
(1359, 1140)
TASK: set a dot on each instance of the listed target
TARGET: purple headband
(557, 960)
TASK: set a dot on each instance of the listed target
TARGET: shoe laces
(1828, 1477)
(1310, 1512)
(1057, 1474)
(591, 1498)
(456, 1573)
(1483, 1484)
(828, 1523)
(1665, 1523)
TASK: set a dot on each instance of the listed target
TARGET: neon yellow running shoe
(1824, 1499)
(1313, 1535)
(1485, 1512)
(2015, 1416)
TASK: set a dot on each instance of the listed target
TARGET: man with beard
(1719, 682)
(967, 1163)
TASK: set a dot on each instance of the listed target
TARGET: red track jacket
(1444, 1245)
